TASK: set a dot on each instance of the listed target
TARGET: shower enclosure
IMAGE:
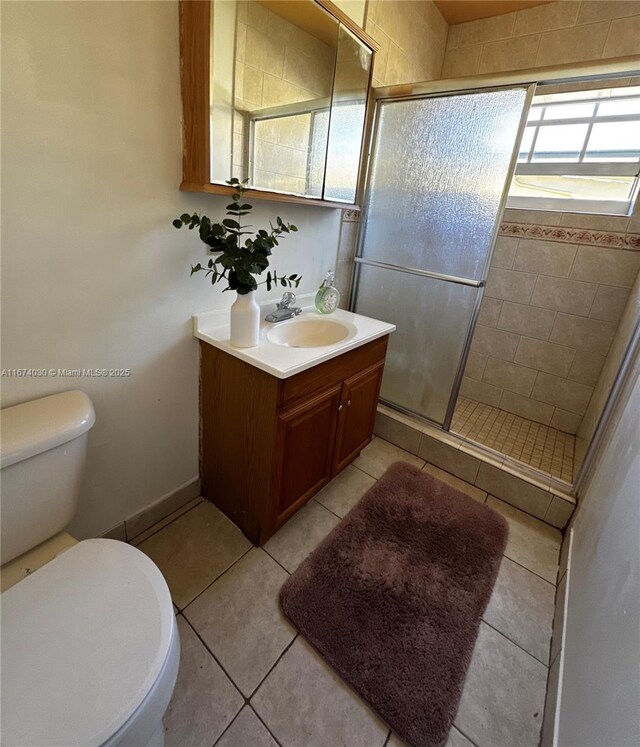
(437, 181)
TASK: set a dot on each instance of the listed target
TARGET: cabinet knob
(339, 408)
(348, 403)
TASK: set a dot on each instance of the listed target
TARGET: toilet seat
(84, 641)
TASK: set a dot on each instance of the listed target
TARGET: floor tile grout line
(517, 645)
(215, 658)
(524, 567)
(264, 723)
(220, 575)
(274, 665)
(466, 736)
(275, 560)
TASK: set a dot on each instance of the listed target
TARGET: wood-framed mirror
(276, 92)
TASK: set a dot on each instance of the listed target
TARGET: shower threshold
(544, 448)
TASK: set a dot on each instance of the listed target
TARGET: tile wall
(284, 65)
(554, 34)
(554, 297)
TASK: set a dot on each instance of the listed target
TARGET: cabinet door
(357, 414)
(306, 438)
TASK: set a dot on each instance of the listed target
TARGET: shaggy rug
(392, 598)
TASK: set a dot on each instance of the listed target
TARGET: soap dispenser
(328, 296)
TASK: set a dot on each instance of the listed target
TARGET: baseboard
(150, 515)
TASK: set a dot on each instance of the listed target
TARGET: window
(580, 152)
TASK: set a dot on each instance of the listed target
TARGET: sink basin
(311, 333)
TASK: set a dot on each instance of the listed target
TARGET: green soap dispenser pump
(328, 296)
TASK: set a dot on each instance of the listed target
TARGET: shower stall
(441, 162)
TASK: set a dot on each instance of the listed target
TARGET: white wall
(93, 274)
(600, 691)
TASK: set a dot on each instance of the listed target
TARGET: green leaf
(229, 223)
(293, 228)
(269, 281)
(177, 223)
(185, 217)
(246, 207)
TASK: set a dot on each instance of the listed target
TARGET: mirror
(288, 89)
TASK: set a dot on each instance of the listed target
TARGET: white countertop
(282, 361)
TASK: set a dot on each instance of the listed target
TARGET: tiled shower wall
(555, 294)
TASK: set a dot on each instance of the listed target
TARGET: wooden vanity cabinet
(268, 445)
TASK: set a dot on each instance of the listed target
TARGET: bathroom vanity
(278, 421)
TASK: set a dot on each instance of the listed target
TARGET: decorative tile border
(350, 216)
(612, 239)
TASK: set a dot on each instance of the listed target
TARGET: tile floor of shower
(247, 679)
(544, 448)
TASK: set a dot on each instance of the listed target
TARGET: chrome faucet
(284, 309)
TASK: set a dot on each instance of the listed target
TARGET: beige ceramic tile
(456, 482)
(503, 697)
(555, 15)
(558, 620)
(153, 514)
(623, 37)
(559, 512)
(291, 544)
(304, 702)
(379, 455)
(544, 257)
(532, 543)
(586, 367)
(510, 285)
(140, 538)
(595, 222)
(548, 726)
(607, 266)
(194, 550)
(537, 217)
(490, 311)
(572, 45)
(460, 63)
(561, 294)
(545, 356)
(480, 391)
(510, 376)
(504, 250)
(475, 366)
(521, 608)
(496, 342)
(344, 273)
(526, 320)
(591, 12)
(347, 246)
(247, 731)
(446, 457)
(511, 489)
(398, 431)
(585, 334)
(116, 533)
(540, 412)
(204, 701)
(481, 31)
(569, 422)
(568, 395)
(509, 54)
(239, 619)
(345, 490)
(609, 303)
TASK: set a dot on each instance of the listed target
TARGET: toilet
(90, 645)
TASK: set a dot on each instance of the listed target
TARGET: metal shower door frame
(438, 91)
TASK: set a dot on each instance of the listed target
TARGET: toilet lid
(83, 641)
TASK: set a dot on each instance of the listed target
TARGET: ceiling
(459, 11)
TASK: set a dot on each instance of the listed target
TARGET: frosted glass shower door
(438, 178)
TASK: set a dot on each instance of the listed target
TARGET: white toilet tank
(43, 445)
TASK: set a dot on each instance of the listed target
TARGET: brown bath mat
(392, 598)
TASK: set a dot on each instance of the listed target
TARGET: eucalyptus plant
(238, 261)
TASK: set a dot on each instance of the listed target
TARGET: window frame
(579, 167)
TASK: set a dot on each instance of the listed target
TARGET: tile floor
(540, 446)
(247, 679)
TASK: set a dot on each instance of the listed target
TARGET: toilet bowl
(90, 646)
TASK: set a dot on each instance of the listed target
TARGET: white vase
(245, 321)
